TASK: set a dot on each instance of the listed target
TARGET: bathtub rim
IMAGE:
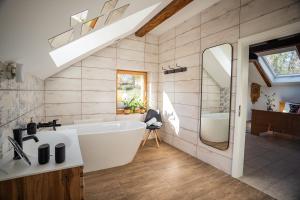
(141, 125)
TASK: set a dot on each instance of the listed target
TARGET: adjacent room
(149, 99)
(272, 136)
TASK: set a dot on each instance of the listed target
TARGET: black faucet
(18, 137)
(52, 124)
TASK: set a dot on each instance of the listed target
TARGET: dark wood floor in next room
(166, 173)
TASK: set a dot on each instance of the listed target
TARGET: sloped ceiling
(217, 68)
(184, 14)
(26, 26)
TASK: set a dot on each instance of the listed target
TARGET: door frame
(242, 89)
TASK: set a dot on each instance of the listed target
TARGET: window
(100, 37)
(131, 90)
(284, 62)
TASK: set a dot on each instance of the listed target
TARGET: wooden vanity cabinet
(66, 184)
(285, 123)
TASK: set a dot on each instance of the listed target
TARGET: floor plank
(164, 174)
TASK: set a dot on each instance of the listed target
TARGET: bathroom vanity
(66, 184)
(50, 181)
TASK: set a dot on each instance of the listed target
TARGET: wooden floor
(166, 173)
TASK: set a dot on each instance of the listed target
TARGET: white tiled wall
(179, 94)
(18, 103)
(211, 94)
(88, 89)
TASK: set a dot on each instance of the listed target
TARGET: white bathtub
(108, 144)
(215, 127)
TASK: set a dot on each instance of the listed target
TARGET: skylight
(283, 63)
(116, 14)
(79, 18)
(61, 39)
(99, 38)
(90, 25)
(108, 6)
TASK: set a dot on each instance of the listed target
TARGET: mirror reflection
(216, 93)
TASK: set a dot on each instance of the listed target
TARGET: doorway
(242, 89)
(242, 99)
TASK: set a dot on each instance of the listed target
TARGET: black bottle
(60, 153)
(31, 127)
(44, 153)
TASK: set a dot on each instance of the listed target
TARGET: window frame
(131, 72)
(276, 51)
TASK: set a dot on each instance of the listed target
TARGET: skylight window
(116, 14)
(108, 6)
(79, 18)
(77, 49)
(61, 39)
(90, 25)
(283, 63)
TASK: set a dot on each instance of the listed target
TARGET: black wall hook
(172, 70)
(165, 70)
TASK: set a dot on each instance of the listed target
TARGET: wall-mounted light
(11, 70)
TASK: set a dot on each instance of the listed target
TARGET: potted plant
(127, 107)
(127, 110)
(270, 101)
(135, 105)
(142, 107)
(137, 110)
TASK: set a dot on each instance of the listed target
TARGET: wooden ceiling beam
(163, 15)
(289, 41)
(261, 72)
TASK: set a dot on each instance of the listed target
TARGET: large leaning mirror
(216, 96)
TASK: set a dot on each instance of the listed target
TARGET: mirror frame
(201, 86)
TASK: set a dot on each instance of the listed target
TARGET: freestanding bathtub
(215, 127)
(108, 144)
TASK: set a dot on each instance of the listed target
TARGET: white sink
(52, 138)
(10, 169)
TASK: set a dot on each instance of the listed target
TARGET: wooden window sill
(121, 112)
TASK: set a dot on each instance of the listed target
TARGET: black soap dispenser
(60, 153)
(44, 154)
(31, 127)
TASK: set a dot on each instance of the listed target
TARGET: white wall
(287, 93)
(19, 102)
(88, 89)
(27, 25)
(179, 94)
